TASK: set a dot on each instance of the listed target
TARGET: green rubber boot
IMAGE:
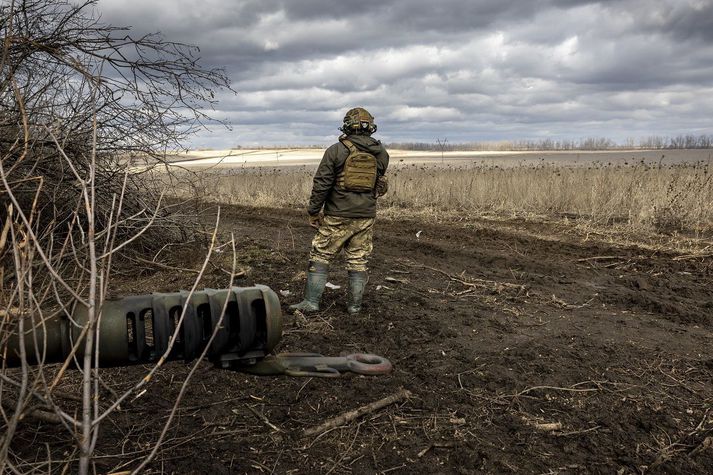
(317, 273)
(357, 283)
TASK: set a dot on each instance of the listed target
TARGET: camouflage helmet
(358, 120)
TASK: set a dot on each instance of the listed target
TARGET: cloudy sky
(465, 70)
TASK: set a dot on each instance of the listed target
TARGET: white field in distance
(301, 156)
(279, 157)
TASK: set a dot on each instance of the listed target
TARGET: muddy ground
(527, 349)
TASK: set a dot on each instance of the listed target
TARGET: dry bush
(266, 187)
(79, 96)
(80, 101)
(643, 196)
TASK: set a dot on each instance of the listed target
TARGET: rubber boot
(357, 283)
(316, 280)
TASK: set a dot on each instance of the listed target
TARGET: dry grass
(661, 198)
(639, 196)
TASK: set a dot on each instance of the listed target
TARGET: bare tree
(85, 110)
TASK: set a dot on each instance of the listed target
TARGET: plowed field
(527, 349)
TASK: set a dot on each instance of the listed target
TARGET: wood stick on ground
(706, 444)
(483, 283)
(556, 388)
(599, 258)
(263, 418)
(689, 256)
(547, 426)
(35, 413)
(434, 445)
(355, 413)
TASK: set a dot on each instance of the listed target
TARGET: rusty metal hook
(316, 365)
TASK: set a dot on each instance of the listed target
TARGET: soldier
(342, 208)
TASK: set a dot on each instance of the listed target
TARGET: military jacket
(338, 202)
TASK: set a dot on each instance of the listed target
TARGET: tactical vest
(359, 173)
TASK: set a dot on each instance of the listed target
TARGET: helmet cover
(358, 119)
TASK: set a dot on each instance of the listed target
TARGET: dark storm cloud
(684, 20)
(465, 69)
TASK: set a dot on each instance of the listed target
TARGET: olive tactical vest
(359, 173)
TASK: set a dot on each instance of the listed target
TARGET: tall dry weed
(648, 196)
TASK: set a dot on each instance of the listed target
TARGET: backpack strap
(350, 146)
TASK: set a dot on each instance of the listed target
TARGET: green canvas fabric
(359, 172)
(328, 197)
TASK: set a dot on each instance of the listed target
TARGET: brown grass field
(633, 195)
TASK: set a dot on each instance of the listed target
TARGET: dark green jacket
(336, 202)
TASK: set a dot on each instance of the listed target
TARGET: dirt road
(524, 354)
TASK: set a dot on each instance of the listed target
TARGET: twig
(578, 432)
(569, 306)
(472, 282)
(399, 271)
(436, 445)
(692, 256)
(165, 266)
(263, 418)
(297, 396)
(354, 414)
(6, 227)
(346, 452)
(36, 413)
(598, 258)
(555, 388)
(392, 469)
(706, 444)
(680, 383)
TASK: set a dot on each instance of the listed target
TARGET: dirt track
(494, 330)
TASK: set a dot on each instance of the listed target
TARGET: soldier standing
(342, 208)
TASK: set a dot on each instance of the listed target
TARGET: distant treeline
(591, 143)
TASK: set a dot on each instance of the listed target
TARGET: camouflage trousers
(354, 235)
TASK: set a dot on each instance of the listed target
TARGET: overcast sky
(465, 70)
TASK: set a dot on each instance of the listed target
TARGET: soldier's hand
(315, 220)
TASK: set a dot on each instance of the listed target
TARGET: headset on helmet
(358, 120)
